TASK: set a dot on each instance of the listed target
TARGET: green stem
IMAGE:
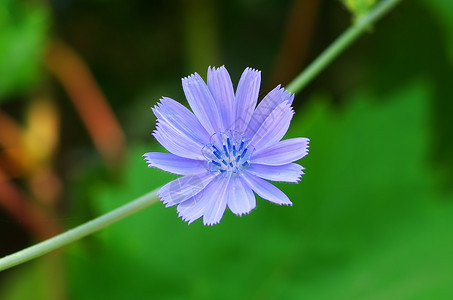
(339, 45)
(78, 232)
(140, 203)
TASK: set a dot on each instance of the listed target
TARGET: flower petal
(283, 152)
(274, 98)
(274, 127)
(246, 97)
(174, 164)
(181, 119)
(193, 208)
(218, 200)
(241, 199)
(183, 188)
(176, 142)
(265, 189)
(202, 102)
(219, 83)
(284, 173)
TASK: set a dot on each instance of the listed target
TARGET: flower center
(228, 152)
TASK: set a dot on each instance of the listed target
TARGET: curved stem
(78, 232)
(140, 203)
(339, 45)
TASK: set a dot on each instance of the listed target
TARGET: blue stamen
(226, 151)
(231, 154)
(243, 153)
(217, 154)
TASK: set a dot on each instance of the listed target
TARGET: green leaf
(443, 12)
(23, 32)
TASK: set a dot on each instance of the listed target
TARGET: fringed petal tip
(161, 197)
(165, 198)
(209, 223)
(156, 109)
(250, 69)
(189, 76)
(306, 149)
(190, 211)
(240, 214)
(186, 219)
(291, 108)
(302, 173)
(162, 101)
(298, 178)
(285, 94)
(289, 95)
(147, 160)
(213, 68)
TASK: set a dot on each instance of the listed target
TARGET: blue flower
(227, 148)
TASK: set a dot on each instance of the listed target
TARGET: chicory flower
(227, 148)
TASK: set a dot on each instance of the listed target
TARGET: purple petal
(183, 188)
(246, 97)
(284, 173)
(283, 152)
(241, 199)
(218, 200)
(174, 164)
(193, 208)
(176, 142)
(274, 127)
(181, 119)
(202, 103)
(206, 203)
(274, 98)
(219, 83)
(265, 189)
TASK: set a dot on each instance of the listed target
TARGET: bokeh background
(372, 217)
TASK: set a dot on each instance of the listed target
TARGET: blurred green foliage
(31, 283)
(443, 11)
(359, 7)
(23, 30)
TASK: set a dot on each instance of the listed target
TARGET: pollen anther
(235, 156)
